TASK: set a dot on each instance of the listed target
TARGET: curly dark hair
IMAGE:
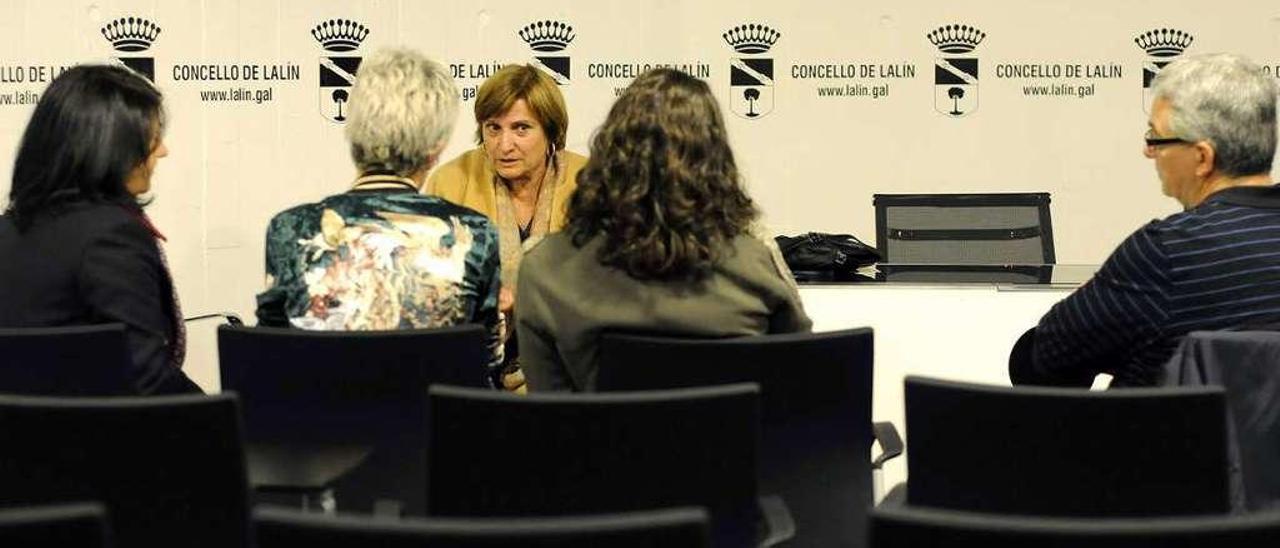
(661, 186)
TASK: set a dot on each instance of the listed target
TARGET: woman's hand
(506, 301)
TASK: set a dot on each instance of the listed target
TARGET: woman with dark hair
(658, 239)
(75, 245)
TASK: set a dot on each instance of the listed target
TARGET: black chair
(496, 454)
(674, 528)
(90, 360)
(964, 229)
(170, 469)
(899, 527)
(82, 525)
(342, 413)
(815, 407)
(1066, 452)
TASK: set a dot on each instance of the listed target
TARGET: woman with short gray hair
(381, 255)
(402, 111)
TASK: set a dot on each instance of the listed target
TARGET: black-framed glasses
(1153, 141)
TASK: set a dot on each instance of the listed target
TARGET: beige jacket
(469, 180)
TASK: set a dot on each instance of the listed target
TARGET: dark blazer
(1243, 362)
(92, 264)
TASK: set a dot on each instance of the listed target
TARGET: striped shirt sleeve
(1099, 327)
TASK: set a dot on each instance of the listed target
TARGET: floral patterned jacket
(383, 256)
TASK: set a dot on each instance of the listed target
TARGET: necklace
(526, 225)
(384, 182)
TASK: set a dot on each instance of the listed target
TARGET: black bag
(833, 253)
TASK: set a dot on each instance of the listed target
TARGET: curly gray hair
(1227, 100)
(402, 110)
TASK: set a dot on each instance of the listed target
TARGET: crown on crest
(1164, 42)
(956, 38)
(751, 38)
(547, 35)
(339, 34)
(130, 33)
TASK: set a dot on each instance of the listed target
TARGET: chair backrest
(344, 386)
(170, 469)
(815, 407)
(314, 392)
(966, 273)
(498, 454)
(80, 525)
(903, 527)
(1066, 452)
(1012, 228)
(674, 528)
(88, 360)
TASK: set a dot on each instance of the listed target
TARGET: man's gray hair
(402, 109)
(1227, 100)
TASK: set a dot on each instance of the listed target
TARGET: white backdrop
(812, 162)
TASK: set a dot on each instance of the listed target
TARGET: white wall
(812, 163)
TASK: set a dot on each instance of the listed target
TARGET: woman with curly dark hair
(658, 239)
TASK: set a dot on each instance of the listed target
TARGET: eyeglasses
(1153, 141)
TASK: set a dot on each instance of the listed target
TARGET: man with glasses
(1212, 136)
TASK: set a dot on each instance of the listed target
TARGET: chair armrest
(286, 467)
(896, 498)
(388, 509)
(778, 523)
(231, 317)
(890, 442)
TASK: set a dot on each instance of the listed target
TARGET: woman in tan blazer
(520, 176)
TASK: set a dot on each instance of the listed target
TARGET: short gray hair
(403, 107)
(1227, 100)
